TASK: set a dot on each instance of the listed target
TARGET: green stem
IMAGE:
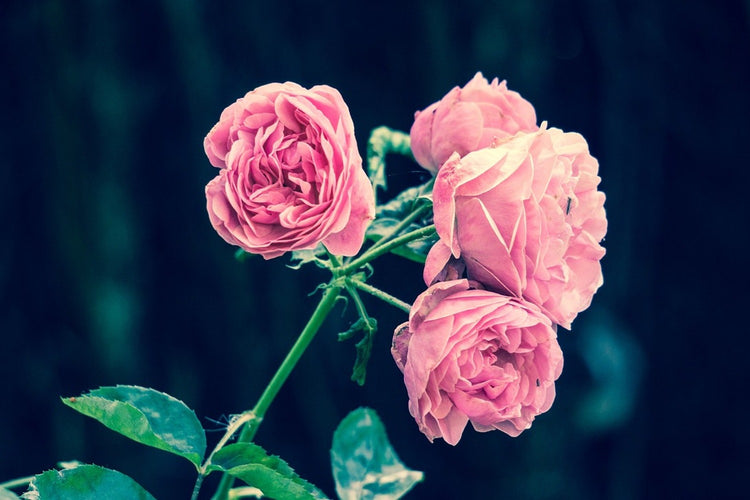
(313, 325)
(234, 425)
(16, 483)
(282, 373)
(377, 292)
(197, 486)
(400, 227)
(334, 259)
(385, 248)
(351, 288)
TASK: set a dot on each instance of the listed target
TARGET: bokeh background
(110, 272)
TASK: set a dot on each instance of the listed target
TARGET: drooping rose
(472, 355)
(291, 176)
(467, 119)
(526, 218)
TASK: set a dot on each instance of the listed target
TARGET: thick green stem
(385, 248)
(377, 292)
(313, 325)
(197, 486)
(272, 389)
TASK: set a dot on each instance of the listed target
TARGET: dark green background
(110, 272)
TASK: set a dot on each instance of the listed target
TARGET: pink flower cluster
(520, 221)
(518, 214)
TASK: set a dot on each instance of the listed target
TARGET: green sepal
(147, 416)
(269, 473)
(85, 482)
(365, 465)
(241, 255)
(313, 255)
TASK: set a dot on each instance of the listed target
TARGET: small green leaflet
(365, 465)
(272, 475)
(368, 327)
(85, 482)
(147, 416)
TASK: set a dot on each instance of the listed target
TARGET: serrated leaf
(382, 141)
(365, 465)
(7, 495)
(406, 201)
(415, 250)
(390, 215)
(147, 416)
(269, 473)
(85, 482)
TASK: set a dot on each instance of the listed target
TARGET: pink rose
(526, 218)
(476, 356)
(467, 119)
(291, 176)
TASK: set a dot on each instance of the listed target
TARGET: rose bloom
(467, 119)
(526, 219)
(291, 176)
(472, 355)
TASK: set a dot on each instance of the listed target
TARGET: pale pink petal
(472, 355)
(296, 175)
(349, 240)
(468, 119)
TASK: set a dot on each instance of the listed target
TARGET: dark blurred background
(110, 272)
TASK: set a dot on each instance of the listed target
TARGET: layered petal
(473, 355)
(291, 176)
(468, 119)
(526, 219)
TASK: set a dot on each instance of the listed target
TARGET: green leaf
(390, 215)
(7, 495)
(85, 482)
(415, 250)
(147, 416)
(365, 466)
(407, 201)
(383, 141)
(272, 475)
